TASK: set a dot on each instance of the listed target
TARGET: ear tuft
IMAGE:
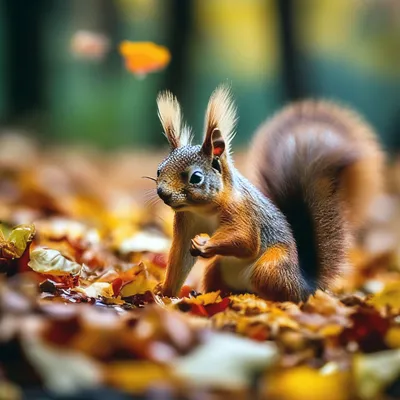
(221, 116)
(169, 112)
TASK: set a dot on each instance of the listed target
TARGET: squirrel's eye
(196, 178)
(158, 173)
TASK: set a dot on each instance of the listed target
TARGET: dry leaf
(225, 361)
(142, 283)
(374, 372)
(17, 241)
(52, 262)
(305, 383)
(142, 58)
(388, 297)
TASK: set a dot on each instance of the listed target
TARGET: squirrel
(284, 232)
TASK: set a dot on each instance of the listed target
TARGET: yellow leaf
(141, 284)
(20, 236)
(305, 383)
(389, 296)
(136, 376)
(392, 337)
(205, 299)
(15, 245)
(331, 330)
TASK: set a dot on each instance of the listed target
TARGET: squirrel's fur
(315, 168)
(322, 166)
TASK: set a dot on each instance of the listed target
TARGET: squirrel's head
(193, 176)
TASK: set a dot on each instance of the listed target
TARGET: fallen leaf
(305, 383)
(98, 289)
(205, 305)
(388, 297)
(17, 241)
(374, 372)
(368, 330)
(136, 376)
(392, 338)
(225, 360)
(52, 262)
(142, 283)
(63, 371)
(142, 58)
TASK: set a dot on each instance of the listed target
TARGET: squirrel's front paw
(199, 246)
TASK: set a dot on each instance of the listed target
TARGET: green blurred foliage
(349, 52)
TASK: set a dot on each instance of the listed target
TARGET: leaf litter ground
(81, 259)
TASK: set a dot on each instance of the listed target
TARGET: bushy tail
(322, 166)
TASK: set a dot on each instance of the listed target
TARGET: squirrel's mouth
(177, 207)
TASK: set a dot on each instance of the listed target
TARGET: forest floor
(82, 253)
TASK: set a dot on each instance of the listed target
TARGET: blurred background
(271, 51)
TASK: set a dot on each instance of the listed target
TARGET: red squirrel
(314, 168)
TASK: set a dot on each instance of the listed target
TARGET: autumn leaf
(142, 58)
(141, 282)
(89, 299)
(388, 297)
(98, 289)
(17, 241)
(225, 361)
(205, 305)
(52, 262)
(368, 330)
(137, 376)
(376, 371)
(305, 383)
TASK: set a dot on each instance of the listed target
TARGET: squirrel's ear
(220, 122)
(169, 112)
(214, 144)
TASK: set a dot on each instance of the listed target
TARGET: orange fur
(276, 276)
(274, 254)
(317, 167)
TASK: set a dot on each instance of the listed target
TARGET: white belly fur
(233, 270)
(234, 273)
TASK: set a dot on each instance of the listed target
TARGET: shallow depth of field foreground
(80, 309)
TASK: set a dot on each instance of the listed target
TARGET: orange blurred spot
(185, 291)
(142, 58)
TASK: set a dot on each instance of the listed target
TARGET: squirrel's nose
(164, 195)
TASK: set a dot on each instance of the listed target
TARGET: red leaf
(368, 330)
(116, 285)
(199, 309)
(215, 308)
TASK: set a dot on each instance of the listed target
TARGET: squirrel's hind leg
(212, 278)
(276, 276)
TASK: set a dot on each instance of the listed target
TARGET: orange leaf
(144, 57)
